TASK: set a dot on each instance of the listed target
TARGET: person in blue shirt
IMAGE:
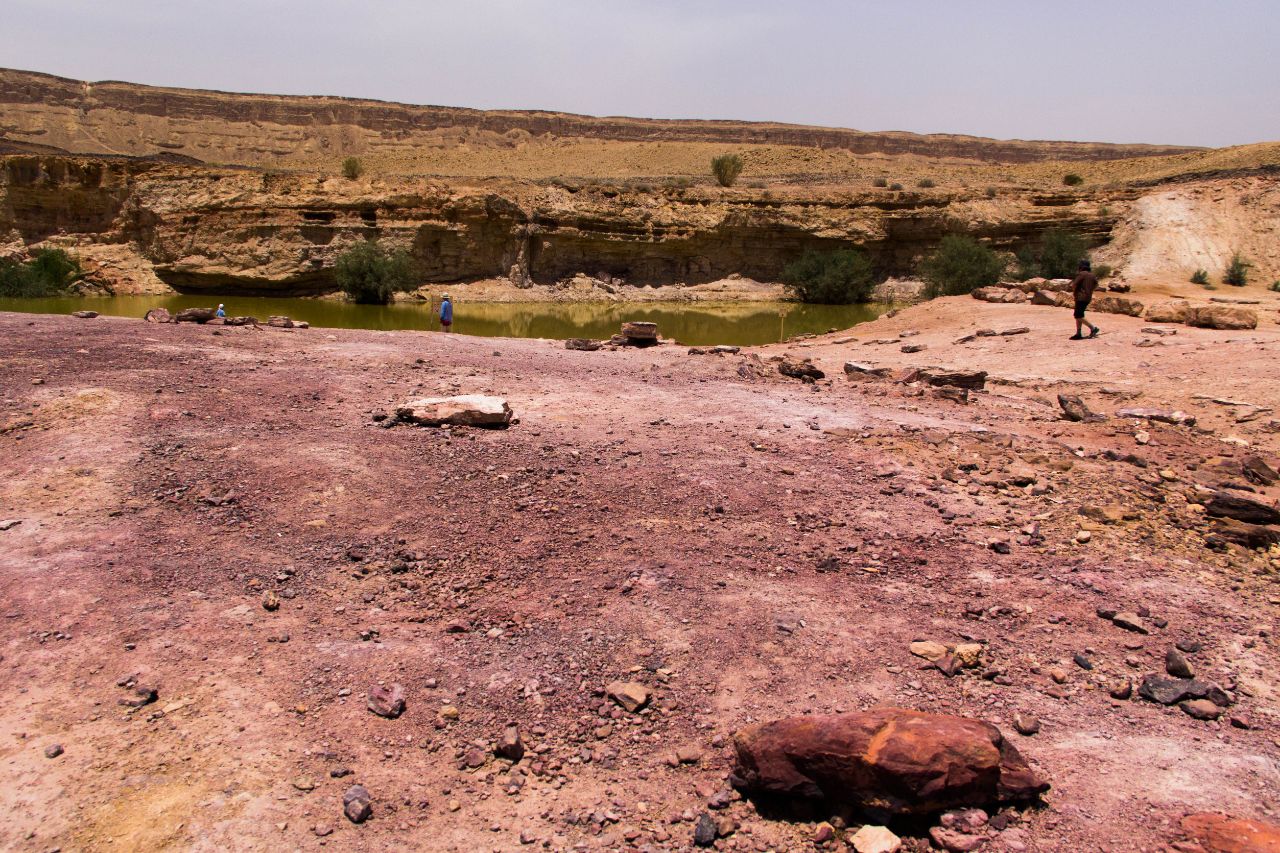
(221, 312)
(446, 313)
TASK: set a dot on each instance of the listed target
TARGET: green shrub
(1057, 256)
(1200, 277)
(926, 183)
(1102, 271)
(880, 182)
(49, 273)
(831, 278)
(369, 274)
(960, 265)
(1275, 285)
(1072, 179)
(1237, 273)
(1105, 210)
(895, 187)
(991, 192)
(726, 168)
(352, 168)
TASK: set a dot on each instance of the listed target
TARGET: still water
(699, 323)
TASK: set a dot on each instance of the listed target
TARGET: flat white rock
(466, 410)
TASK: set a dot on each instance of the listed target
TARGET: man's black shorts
(1080, 306)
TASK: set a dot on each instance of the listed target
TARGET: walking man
(1083, 286)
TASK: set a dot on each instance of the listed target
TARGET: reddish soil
(746, 545)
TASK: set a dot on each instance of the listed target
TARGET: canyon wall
(243, 231)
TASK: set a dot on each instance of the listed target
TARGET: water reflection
(700, 323)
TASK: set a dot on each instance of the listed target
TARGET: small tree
(726, 168)
(895, 187)
(880, 182)
(831, 278)
(960, 265)
(369, 274)
(927, 183)
(352, 168)
(1200, 276)
(1058, 255)
(49, 273)
(1072, 180)
(1237, 273)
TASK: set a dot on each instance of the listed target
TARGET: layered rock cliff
(235, 230)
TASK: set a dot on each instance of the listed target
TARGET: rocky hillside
(276, 130)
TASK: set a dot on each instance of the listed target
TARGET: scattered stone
(270, 600)
(854, 370)
(53, 750)
(972, 380)
(1171, 691)
(1177, 418)
(1200, 709)
(890, 759)
(823, 833)
(1000, 294)
(630, 695)
(1025, 724)
(1240, 508)
(304, 784)
(9, 524)
(1176, 665)
(466, 410)
(583, 344)
(357, 804)
(912, 348)
(1172, 311)
(1221, 834)
(387, 701)
(142, 695)
(705, 830)
(1121, 689)
(799, 369)
(1118, 305)
(1074, 409)
(929, 650)
(1257, 471)
(954, 840)
(1130, 622)
(510, 744)
(280, 322)
(157, 315)
(1241, 533)
(84, 315)
(875, 839)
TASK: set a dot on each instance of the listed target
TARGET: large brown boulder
(1230, 505)
(1000, 294)
(1222, 317)
(1118, 305)
(1169, 311)
(888, 760)
(194, 315)
(1221, 834)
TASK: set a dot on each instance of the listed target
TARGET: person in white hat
(446, 313)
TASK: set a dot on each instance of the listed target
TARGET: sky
(1187, 72)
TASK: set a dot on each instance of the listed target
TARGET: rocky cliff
(236, 230)
(131, 119)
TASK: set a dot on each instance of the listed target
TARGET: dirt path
(746, 545)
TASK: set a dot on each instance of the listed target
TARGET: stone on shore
(193, 315)
(466, 410)
(887, 759)
(157, 315)
(84, 315)
(799, 369)
(1222, 317)
(875, 839)
(583, 344)
(1000, 294)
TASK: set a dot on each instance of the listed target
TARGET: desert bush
(831, 278)
(726, 168)
(1072, 179)
(1200, 276)
(1237, 273)
(895, 187)
(880, 182)
(1057, 256)
(49, 273)
(369, 274)
(927, 183)
(1275, 285)
(960, 265)
(352, 168)
(1102, 271)
(991, 192)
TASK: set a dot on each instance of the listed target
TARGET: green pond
(698, 323)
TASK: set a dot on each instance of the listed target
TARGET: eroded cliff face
(241, 231)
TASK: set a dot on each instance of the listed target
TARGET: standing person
(1082, 287)
(446, 313)
(221, 312)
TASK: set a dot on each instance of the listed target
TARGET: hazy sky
(1173, 71)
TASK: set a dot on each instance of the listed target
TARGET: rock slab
(466, 410)
(890, 760)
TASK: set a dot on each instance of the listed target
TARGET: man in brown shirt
(1083, 286)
